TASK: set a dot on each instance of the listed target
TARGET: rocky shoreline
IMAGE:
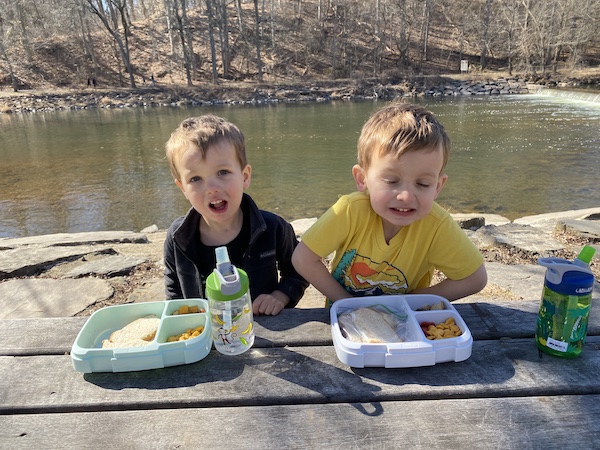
(76, 274)
(154, 96)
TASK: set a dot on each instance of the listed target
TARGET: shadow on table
(313, 374)
(253, 378)
(503, 334)
(293, 327)
(515, 319)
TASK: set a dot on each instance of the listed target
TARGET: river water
(105, 169)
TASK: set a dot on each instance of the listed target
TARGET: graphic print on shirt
(361, 276)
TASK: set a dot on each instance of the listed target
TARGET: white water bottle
(227, 289)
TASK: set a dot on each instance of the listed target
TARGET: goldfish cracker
(442, 330)
(187, 334)
(185, 309)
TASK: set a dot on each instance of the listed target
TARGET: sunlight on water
(105, 169)
(573, 96)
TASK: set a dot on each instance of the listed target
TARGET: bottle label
(559, 346)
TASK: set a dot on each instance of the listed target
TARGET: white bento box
(88, 355)
(417, 350)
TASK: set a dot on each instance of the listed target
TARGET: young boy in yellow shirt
(390, 235)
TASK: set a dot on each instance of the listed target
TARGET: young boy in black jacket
(207, 157)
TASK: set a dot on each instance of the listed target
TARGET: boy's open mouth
(218, 205)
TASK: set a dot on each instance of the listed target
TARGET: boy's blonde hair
(202, 132)
(399, 128)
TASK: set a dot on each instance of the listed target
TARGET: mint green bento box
(88, 355)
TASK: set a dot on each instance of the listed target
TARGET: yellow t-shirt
(364, 264)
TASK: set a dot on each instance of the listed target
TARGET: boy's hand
(270, 304)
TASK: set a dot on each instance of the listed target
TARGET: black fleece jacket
(267, 260)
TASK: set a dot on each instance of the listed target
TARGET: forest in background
(123, 43)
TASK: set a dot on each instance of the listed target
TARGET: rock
(151, 291)
(523, 281)
(67, 239)
(150, 229)
(523, 237)
(476, 221)
(549, 220)
(588, 229)
(137, 258)
(109, 266)
(31, 260)
(27, 298)
(301, 225)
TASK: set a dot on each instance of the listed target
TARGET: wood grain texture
(292, 327)
(548, 422)
(293, 375)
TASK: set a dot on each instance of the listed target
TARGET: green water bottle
(565, 305)
(227, 289)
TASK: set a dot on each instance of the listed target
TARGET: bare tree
(86, 37)
(259, 64)
(485, 34)
(427, 7)
(211, 36)
(222, 20)
(115, 21)
(182, 25)
(6, 35)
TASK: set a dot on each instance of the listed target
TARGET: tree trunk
(23, 31)
(224, 36)
(111, 23)
(211, 36)
(425, 28)
(484, 38)
(169, 18)
(257, 31)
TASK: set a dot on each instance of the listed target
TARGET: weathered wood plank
(55, 336)
(293, 327)
(490, 423)
(293, 375)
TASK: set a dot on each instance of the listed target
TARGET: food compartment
(447, 324)
(380, 323)
(425, 302)
(188, 349)
(176, 326)
(455, 348)
(186, 306)
(105, 321)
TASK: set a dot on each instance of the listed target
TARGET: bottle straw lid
(226, 282)
(586, 254)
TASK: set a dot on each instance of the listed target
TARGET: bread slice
(370, 325)
(138, 333)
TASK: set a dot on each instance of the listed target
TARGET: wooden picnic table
(291, 391)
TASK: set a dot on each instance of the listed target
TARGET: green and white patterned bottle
(565, 304)
(227, 289)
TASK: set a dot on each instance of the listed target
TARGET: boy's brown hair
(202, 132)
(399, 128)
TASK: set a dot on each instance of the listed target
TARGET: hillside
(296, 53)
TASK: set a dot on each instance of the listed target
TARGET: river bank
(76, 274)
(253, 93)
